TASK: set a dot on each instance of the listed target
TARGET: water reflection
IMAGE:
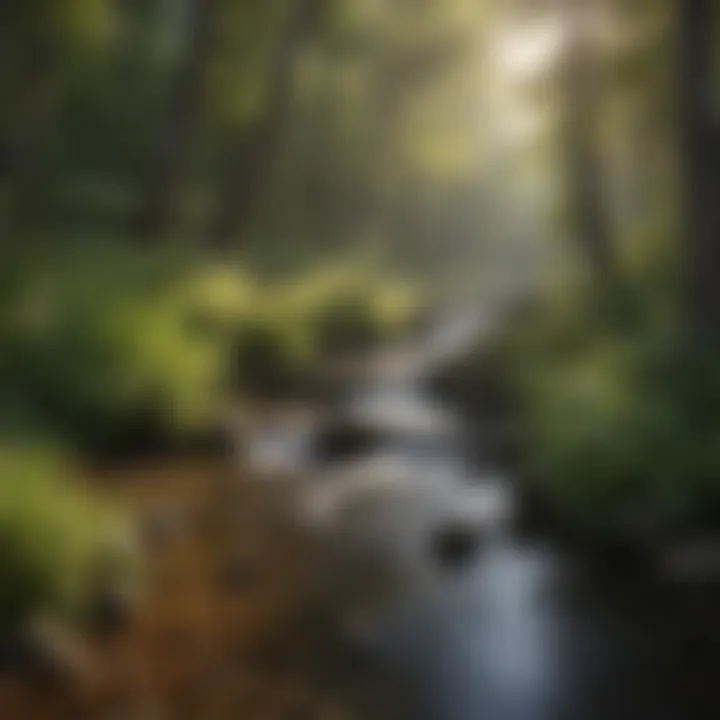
(518, 637)
(522, 632)
(490, 644)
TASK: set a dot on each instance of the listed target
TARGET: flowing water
(522, 631)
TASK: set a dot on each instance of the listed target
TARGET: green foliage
(118, 352)
(58, 29)
(347, 325)
(302, 322)
(618, 423)
(349, 307)
(105, 350)
(56, 542)
(267, 363)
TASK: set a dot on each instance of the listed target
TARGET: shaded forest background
(306, 128)
(202, 202)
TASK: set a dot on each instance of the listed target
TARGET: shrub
(350, 308)
(359, 318)
(56, 542)
(267, 364)
(128, 353)
(108, 354)
(346, 325)
(619, 424)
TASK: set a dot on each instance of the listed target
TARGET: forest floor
(231, 626)
(233, 621)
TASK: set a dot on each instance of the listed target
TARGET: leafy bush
(105, 352)
(360, 318)
(619, 424)
(128, 353)
(55, 542)
(349, 308)
(267, 364)
(346, 325)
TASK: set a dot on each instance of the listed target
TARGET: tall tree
(23, 162)
(590, 218)
(169, 161)
(701, 157)
(253, 154)
(44, 48)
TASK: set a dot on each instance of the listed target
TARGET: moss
(56, 542)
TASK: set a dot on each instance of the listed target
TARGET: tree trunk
(168, 169)
(254, 154)
(701, 157)
(590, 219)
(24, 154)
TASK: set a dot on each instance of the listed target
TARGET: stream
(523, 630)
